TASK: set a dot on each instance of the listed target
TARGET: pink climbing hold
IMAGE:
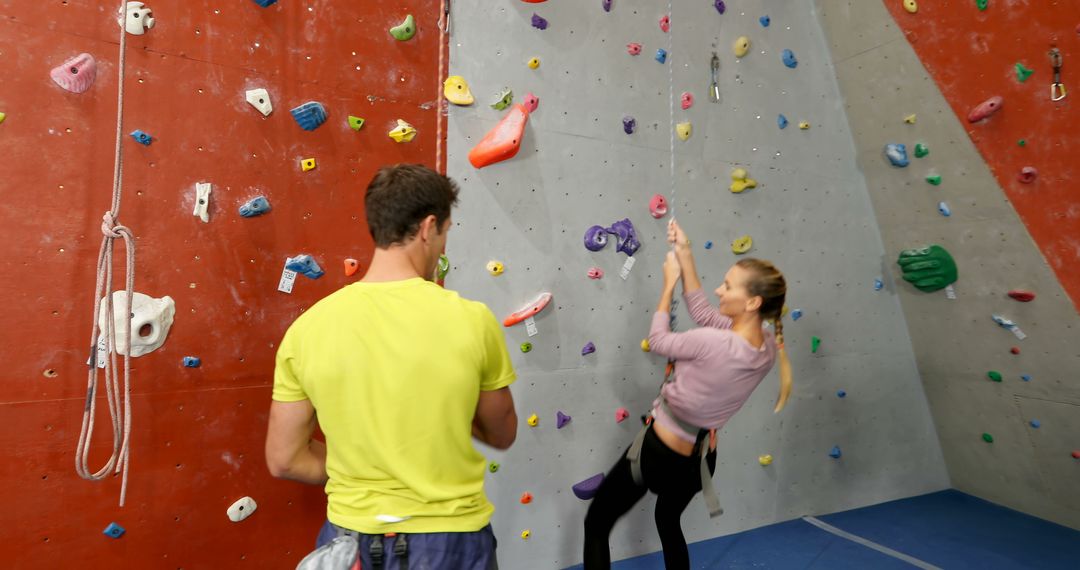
(633, 48)
(1028, 174)
(531, 102)
(621, 414)
(658, 206)
(986, 109)
(687, 100)
(595, 273)
(665, 23)
(76, 74)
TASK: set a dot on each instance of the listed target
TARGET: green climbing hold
(405, 30)
(493, 467)
(928, 268)
(982, 4)
(526, 346)
(815, 342)
(994, 375)
(921, 150)
(1021, 142)
(1022, 73)
(503, 100)
(443, 268)
(988, 438)
(355, 123)
(934, 179)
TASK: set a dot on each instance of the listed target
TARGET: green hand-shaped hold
(928, 269)
(982, 4)
(442, 268)
(405, 30)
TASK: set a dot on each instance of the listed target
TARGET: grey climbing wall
(811, 214)
(955, 341)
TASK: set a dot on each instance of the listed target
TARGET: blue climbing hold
(835, 452)
(114, 530)
(897, 154)
(765, 21)
(264, 3)
(141, 137)
(708, 245)
(309, 115)
(944, 209)
(192, 362)
(788, 57)
(878, 285)
(1026, 377)
(305, 265)
(256, 206)
(661, 55)
(781, 121)
(796, 314)
(841, 394)
(1035, 424)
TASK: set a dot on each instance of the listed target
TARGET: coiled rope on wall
(120, 416)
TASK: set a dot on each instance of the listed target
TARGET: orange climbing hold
(526, 498)
(351, 267)
(503, 141)
(530, 310)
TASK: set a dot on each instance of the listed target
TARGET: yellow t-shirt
(394, 371)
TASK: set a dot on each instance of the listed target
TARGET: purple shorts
(426, 551)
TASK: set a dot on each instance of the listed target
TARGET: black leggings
(674, 478)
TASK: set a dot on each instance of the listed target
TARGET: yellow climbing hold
(804, 125)
(911, 6)
(525, 534)
(910, 119)
(645, 345)
(684, 130)
(2, 117)
(534, 63)
(495, 268)
(741, 245)
(534, 420)
(765, 460)
(307, 164)
(403, 132)
(456, 90)
(740, 181)
(741, 47)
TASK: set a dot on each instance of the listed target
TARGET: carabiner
(1057, 88)
(714, 89)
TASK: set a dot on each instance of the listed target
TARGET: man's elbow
(279, 467)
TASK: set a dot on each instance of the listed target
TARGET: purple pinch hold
(629, 124)
(624, 230)
(539, 22)
(720, 6)
(587, 489)
(589, 348)
(561, 420)
(595, 238)
(606, 4)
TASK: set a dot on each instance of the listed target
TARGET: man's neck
(393, 264)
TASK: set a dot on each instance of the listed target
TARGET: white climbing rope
(441, 103)
(119, 459)
(671, 139)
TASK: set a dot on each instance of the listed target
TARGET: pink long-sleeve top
(716, 370)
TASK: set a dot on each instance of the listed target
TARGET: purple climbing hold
(624, 230)
(587, 489)
(607, 5)
(539, 22)
(720, 6)
(595, 238)
(561, 420)
(589, 348)
(628, 124)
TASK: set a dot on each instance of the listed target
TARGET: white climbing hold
(135, 18)
(260, 99)
(146, 311)
(202, 201)
(242, 509)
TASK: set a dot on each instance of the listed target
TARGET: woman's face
(735, 300)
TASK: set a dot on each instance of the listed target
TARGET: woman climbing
(718, 367)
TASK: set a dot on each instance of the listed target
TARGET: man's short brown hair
(399, 197)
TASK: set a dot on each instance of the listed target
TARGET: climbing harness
(342, 553)
(1057, 88)
(119, 460)
(701, 447)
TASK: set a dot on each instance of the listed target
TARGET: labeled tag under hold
(530, 327)
(102, 352)
(288, 278)
(625, 271)
(950, 292)
(1019, 333)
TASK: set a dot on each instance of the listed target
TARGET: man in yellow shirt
(401, 374)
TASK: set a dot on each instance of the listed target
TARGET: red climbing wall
(971, 55)
(198, 433)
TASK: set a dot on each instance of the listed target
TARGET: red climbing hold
(1022, 296)
(1028, 174)
(1015, 350)
(985, 109)
(1076, 454)
(503, 141)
